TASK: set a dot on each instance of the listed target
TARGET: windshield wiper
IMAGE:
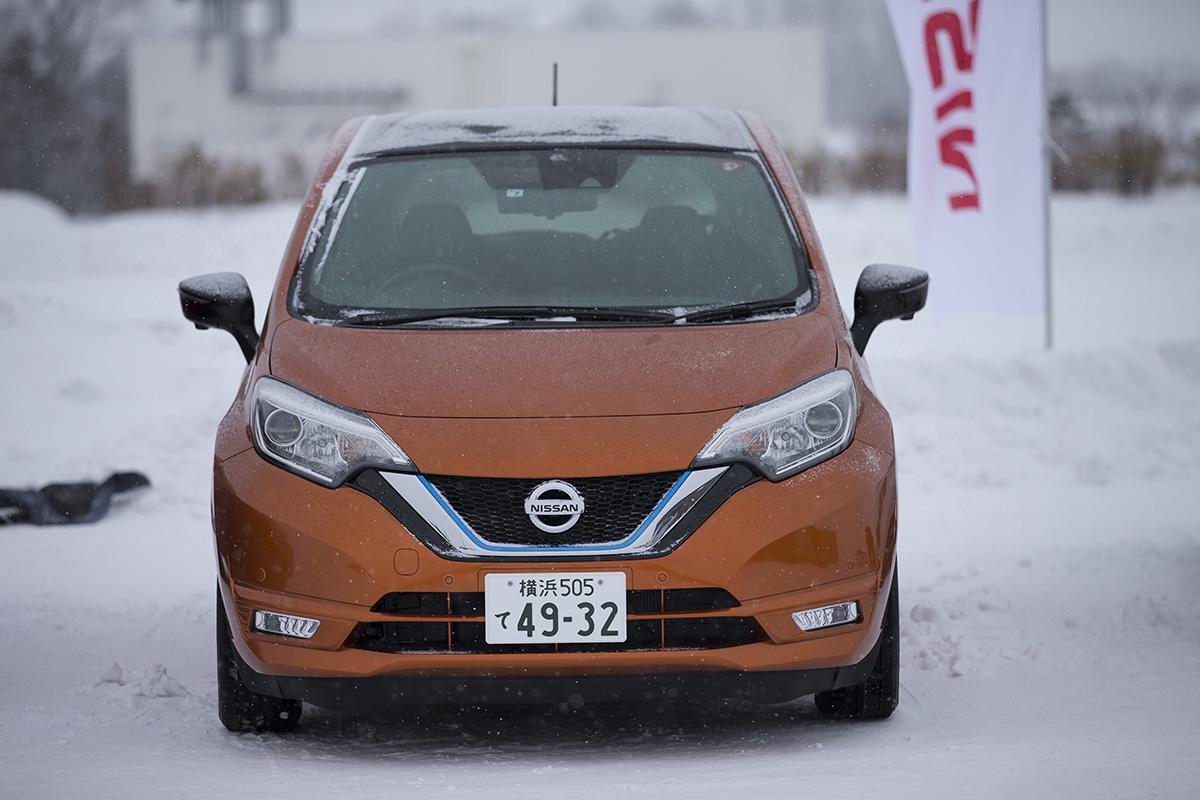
(584, 313)
(508, 313)
(737, 310)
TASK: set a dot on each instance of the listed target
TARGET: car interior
(463, 245)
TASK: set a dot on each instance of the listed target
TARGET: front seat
(435, 233)
(672, 248)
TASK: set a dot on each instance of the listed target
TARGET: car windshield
(581, 228)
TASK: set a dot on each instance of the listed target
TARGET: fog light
(285, 624)
(814, 619)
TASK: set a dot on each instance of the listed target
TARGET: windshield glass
(565, 228)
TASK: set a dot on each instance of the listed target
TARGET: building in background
(245, 90)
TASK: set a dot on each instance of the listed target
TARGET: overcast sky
(1144, 32)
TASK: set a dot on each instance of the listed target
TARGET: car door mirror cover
(221, 300)
(884, 292)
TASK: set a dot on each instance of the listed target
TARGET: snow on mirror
(221, 287)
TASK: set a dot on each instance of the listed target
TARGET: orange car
(554, 405)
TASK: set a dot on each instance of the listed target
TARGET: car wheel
(877, 697)
(240, 709)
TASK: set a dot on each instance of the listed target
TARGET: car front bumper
(381, 691)
(290, 546)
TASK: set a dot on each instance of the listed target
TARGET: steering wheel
(439, 273)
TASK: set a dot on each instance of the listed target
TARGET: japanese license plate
(554, 607)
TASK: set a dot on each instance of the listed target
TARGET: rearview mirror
(886, 291)
(221, 300)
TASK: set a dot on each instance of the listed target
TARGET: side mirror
(886, 291)
(221, 300)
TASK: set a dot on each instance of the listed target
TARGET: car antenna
(554, 85)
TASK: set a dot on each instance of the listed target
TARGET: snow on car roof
(476, 129)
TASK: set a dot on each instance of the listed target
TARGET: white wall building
(290, 93)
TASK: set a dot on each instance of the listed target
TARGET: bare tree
(63, 130)
(1129, 126)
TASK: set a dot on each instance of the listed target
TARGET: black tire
(877, 697)
(242, 710)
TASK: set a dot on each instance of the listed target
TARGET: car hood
(559, 372)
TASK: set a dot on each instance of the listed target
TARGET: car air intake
(448, 622)
(470, 604)
(687, 633)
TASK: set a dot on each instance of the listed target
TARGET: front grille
(447, 626)
(613, 507)
(685, 633)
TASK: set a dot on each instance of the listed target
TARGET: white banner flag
(976, 170)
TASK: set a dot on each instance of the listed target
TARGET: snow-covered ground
(1051, 555)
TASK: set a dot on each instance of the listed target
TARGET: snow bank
(152, 681)
(1124, 270)
(1089, 418)
(22, 211)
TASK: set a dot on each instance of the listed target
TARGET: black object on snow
(66, 503)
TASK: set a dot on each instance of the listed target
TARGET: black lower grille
(613, 507)
(694, 633)
(451, 624)
(470, 604)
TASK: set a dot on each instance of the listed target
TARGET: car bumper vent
(695, 633)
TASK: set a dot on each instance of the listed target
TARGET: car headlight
(794, 431)
(317, 439)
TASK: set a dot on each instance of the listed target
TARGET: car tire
(877, 697)
(241, 709)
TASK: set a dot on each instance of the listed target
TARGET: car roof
(482, 129)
